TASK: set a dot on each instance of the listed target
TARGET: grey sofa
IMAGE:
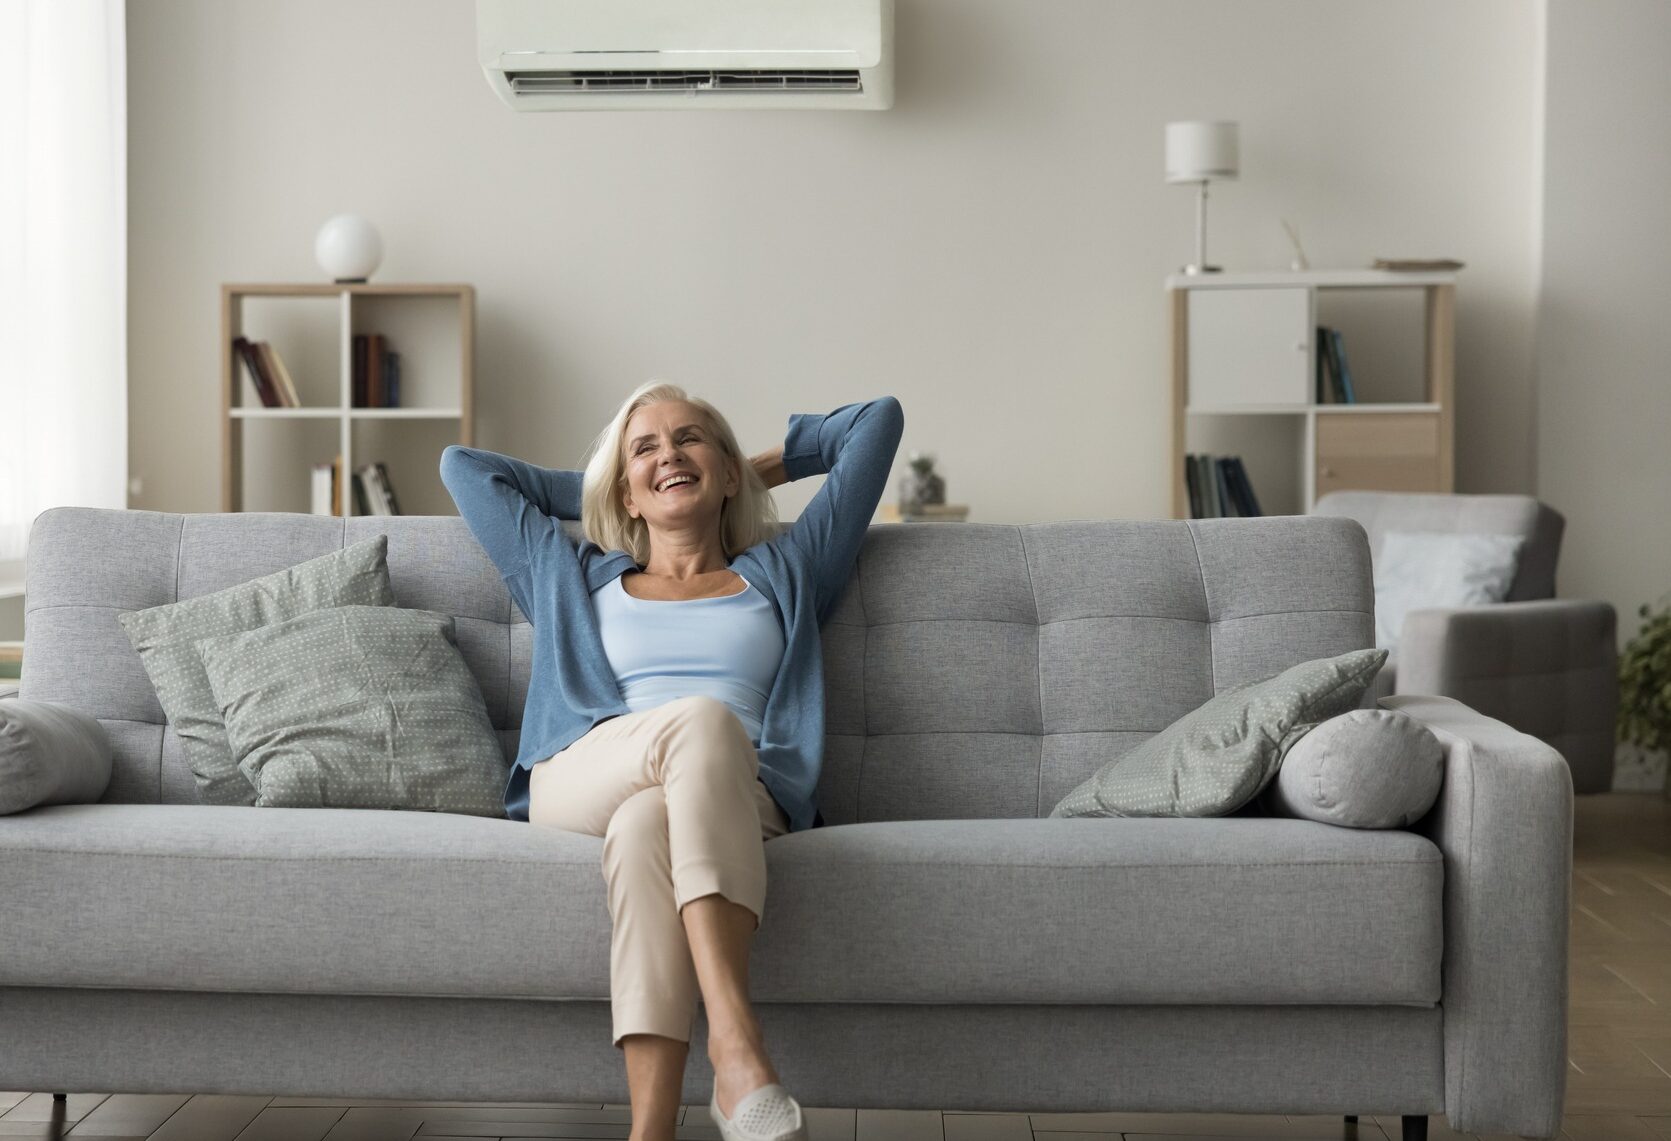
(1548, 666)
(941, 944)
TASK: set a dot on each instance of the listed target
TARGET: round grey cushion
(50, 754)
(1369, 768)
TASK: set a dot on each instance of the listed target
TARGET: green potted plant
(1645, 684)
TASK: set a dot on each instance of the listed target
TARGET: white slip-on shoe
(764, 1114)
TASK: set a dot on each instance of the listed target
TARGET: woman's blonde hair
(745, 518)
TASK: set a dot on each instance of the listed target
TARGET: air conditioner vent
(695, 82)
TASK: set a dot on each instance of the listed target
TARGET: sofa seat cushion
(1096, 910)
(361, 901)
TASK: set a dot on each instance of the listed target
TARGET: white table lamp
(1198, 151)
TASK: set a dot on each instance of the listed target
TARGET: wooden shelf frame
(234, 415)
(1439, 371)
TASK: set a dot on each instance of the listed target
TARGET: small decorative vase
(921, 486)
(348, 248)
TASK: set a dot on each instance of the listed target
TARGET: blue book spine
(1345, 373)
(1221, 474)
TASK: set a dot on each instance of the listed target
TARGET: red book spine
(257, 375)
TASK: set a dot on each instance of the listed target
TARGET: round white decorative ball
(348, 248)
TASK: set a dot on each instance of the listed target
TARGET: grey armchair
(1546, 666)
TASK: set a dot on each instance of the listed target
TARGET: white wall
(1604, 341)
(991, 250)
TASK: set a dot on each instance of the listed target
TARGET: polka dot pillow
(1216, 759)
(164, 637)
(357, 707)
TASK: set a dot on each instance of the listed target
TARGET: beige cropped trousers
(675, 793)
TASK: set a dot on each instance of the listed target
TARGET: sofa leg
(1351, 1119)
(1415, 1127)
(60, 1096)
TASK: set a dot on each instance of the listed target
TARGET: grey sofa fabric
(1550, 668)
(1504, 823)
(974, 674)
(50, 754)
(1053, 895)
(1559, 682)
(1046, 1057)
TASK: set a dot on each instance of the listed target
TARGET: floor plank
(129, 1115)
(292, 1123)
(211, 1117)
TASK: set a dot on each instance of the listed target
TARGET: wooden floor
(1618, 1080)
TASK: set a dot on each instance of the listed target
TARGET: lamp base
(1193, 269)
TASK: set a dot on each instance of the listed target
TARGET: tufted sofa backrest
(971, 670)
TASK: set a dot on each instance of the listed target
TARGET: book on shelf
(388, 488)
(279, 374)
(327, 487)
(1347, 396)
(1334, 377)
(256, 369)
(373, 490)
(1219, 487)
(272, 381)
(375, 376)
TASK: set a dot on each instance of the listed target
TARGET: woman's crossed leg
(674, 792)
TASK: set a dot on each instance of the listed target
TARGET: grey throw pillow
(1369, 768)
(165, 638)
(1215, 759)
(358, 707)
(50, 754)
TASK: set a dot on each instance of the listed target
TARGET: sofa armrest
(1547, 667)
(1503, 821)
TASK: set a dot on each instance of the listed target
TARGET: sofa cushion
(164, 638)
(50, 754)
(1218, 757)
(1369, 768)
(357, 707)
(358, 901)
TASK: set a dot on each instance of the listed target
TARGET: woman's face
(672, 437)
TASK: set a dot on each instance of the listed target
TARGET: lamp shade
(1198, 150)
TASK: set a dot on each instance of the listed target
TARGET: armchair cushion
(50, 754)
(1369, 768)
(1418, 569)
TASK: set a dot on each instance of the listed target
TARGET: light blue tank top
(727, 647)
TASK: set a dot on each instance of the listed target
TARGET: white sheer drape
(63, 261)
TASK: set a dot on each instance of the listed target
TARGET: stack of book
(1218, 487)
(374, 492)
(267, 373)
(1334, 379)
(376, 372)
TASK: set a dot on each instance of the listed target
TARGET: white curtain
(63, 262)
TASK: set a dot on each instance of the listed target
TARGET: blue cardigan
(510, 507)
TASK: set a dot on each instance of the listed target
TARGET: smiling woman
(660, 432)
(696, 734)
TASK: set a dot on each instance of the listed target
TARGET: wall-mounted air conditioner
(594, 55)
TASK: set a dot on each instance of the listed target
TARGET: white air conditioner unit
(595, 55)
